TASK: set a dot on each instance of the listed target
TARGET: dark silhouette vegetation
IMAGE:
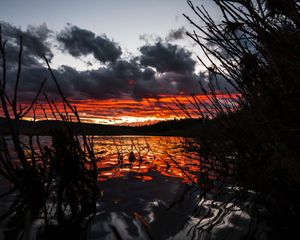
(255, 139)
(56, 184)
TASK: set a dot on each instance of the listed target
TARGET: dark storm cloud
(176, 34)
(187, 83)
(35, 43)
(12, 53)
(31, 80)
(119, 80)
(219, 83)
(160, 69)
(148, 74)
(169, 83)
(114, 81)
(81, 42)
(102, 83)
(166, 57)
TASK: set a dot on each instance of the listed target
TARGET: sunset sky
(119, 61)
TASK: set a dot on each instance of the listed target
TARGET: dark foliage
(255, 137)
(56, 184)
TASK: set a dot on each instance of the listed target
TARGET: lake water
(165, 156)
(154, 196)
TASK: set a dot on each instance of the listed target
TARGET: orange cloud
(127, 111)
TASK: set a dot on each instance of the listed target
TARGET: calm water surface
(151, 195)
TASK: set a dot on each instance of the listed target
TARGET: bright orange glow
(126, 111)
(152, 155)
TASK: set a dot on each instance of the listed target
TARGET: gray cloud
(31, 80)
(148, 74)
(219, 83)
(81, 42)
(118, 80)
(35, 43)
(28, 58)
(150, 38)
(176, 34)
(160, 69)
(167, 57)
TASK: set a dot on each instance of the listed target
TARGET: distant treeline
(176, 127)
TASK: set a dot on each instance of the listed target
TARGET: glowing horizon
(126, 111)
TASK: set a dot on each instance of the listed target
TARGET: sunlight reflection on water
(165, 155)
